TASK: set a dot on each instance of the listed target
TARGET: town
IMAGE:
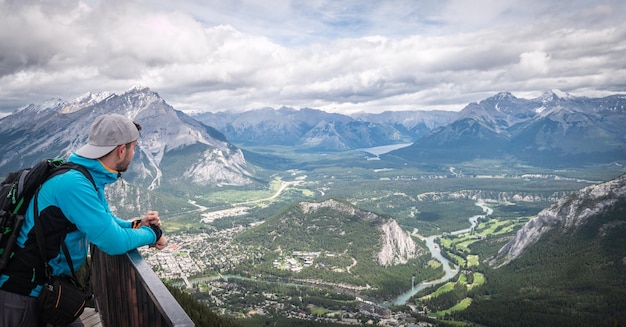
(200, 263)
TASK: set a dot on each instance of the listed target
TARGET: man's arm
(81, 204)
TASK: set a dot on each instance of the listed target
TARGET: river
(449, 268)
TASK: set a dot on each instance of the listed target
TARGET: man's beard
(123, 166)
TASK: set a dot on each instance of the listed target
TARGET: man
(68, 200)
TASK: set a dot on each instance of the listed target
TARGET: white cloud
(335, 55)
(533, 63)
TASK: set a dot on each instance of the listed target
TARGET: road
(240, 208)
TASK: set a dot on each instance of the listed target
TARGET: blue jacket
(66, 200)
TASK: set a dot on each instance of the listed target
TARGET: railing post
(129, 293)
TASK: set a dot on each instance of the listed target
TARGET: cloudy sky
(336, 55)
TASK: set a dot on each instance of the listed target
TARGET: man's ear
(120, 151)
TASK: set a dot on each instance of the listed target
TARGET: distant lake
(378, 150)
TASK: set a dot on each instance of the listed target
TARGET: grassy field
(462, 305)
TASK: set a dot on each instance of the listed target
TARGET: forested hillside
(576, 279)
(199, 313)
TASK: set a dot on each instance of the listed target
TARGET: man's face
(122, 166)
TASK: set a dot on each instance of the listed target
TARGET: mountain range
(183, 154)
(315, 130)
(555, 129)
(551, 130)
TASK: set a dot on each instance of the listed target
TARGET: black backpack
(16, 191)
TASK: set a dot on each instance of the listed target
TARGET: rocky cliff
(567, 215)
(396, 245)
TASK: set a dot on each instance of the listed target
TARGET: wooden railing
(128, 293)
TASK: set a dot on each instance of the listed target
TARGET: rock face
(568, 214)
(397, 246)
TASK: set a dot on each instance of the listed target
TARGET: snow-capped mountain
(553, 129)
(88, 99)
(174, 149)
(550, 129)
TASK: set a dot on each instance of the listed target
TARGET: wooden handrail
(129, 293)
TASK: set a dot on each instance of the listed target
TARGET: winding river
(449, 268)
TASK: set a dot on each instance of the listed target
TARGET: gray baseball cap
(107, 132)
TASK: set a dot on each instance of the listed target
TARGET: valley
(446, 209)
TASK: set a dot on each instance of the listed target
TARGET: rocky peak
(85, 100)
(504, 96)
(398, 246)
(568, 214)
(52, 104)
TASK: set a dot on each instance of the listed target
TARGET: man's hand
(161, 243)
(151, 218)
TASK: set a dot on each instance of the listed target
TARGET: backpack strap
(65, 167)
(40, 236)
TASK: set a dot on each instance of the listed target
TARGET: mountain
(336, 241)
(335, 227)
(569, 215)
(341, 136)
(316, 130)
(413, 123)
(173, 150)
(267, 126)
(574, 129)
(553, 129)
(565, 267)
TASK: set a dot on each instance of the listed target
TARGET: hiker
(71, 205)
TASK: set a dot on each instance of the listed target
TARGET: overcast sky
(337, 55)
